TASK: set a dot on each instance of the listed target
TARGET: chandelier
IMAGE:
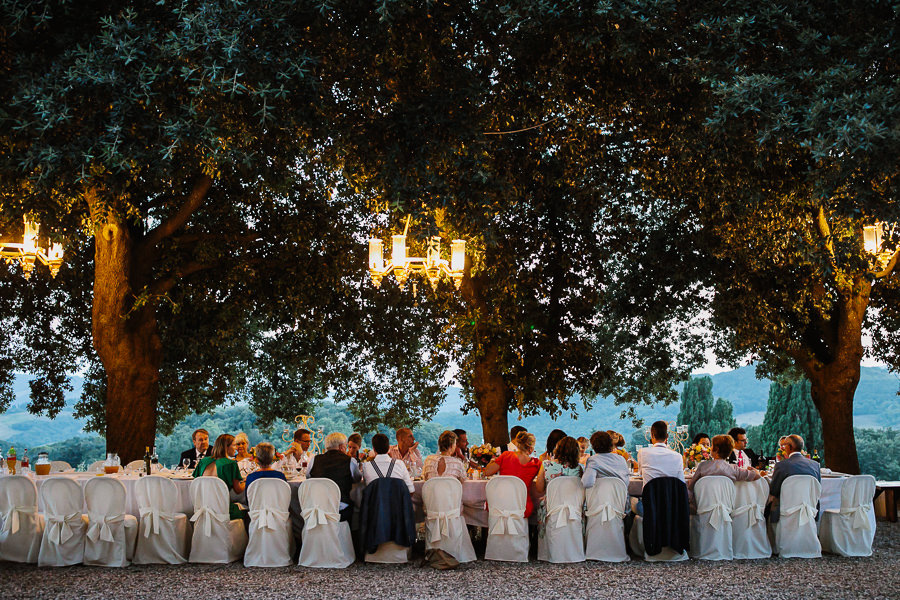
(29, 251)
(678, 435)
(432, 266)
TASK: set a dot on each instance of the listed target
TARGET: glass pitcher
(111, 465)
(42, 464)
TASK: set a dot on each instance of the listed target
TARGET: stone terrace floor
(830, 577)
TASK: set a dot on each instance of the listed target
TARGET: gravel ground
(830, 577)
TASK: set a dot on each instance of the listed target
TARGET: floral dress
(552, 470)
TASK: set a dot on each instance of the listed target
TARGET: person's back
(659, 460)
(381, 465)
(794, 464)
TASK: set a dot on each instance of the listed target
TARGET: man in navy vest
(336, 465)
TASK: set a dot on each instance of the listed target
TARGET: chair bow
(442, 523)
(268, 518)
(564, 512)
(718, 515)
(755, 513)
(316, 515)
(155, 515)
(606, 512)
(60, 530)
(807, 512)
(506, 521)
(208, 514)
(859, 516)
(11, 518)
(99, 526)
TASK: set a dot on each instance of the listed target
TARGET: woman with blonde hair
(518, 464)
(246, 461)
(444, 464)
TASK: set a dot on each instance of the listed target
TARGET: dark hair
(220, 449)
(516, 429)
(355, 438)
(459, 432)
(722, 445)
(380, 443)
(553, 439)
(446, 439)
(567, 452)
(699, 437)
(601, 442)
(736, 431)
(659, 430)
(299, 433)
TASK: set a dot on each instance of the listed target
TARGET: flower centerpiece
(696, 454)
(11, 460)
(482, 455)
(365, 454)
(780, 454)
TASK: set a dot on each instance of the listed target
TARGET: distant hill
(876, 405)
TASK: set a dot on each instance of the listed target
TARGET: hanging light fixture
(872, 235)
(432, 266)
(29, 251)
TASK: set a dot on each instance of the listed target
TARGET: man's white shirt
(384, 461)
(659, 460)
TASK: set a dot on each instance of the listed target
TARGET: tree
(180, 153)
(700, 412)
(790, 410)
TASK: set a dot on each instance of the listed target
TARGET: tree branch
(176, 221)
(889, 268)
(164, 286)
(825, 230)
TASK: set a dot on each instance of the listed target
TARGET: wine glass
(186, 462)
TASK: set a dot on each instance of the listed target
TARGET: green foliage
(790, 410)
(700, 413)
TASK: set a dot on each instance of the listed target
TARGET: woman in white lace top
(444, 464)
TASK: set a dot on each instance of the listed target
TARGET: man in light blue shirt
(604, 462)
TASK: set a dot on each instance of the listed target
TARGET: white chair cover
(444, 525)
(749, 537)
(326, 540)
(271, 539)
(64, 524)
(850, 530)
(796, 530)
(711, 527)
(111, 534)
(21, 526)
(606, 520)
(216, 538)
(96, 466)
(507, 527)
(563, 540)
(58, 466)
(165, 534)
(138, 465)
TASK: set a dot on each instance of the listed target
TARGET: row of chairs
(729, 523)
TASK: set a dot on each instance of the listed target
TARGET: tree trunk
(127, 341)
(835, 405)
(492, 397)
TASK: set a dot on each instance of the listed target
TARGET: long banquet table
(473, 495)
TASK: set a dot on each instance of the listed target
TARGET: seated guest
(584, 445)
(741, 455)
(722, 445)
(407, 450)
(565, 463)
(604, 462)
(445, 463)
(552, 440)
(200, 449)
(657, 460)
(794, 464)
(217, 464)
(336, 465)
(354, 443)
(384, 464)
(702, 439)
(518, 464)
(300, 448)
(513, 432)
(265, 456)
(618, 441)
(246, 462)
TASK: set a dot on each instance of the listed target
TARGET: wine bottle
(147, 467)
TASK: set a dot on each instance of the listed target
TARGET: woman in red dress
(518, 464)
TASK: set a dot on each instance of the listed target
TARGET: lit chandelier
(28, 252)
(432, 266)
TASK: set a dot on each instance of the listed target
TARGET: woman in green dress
(218, 464)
